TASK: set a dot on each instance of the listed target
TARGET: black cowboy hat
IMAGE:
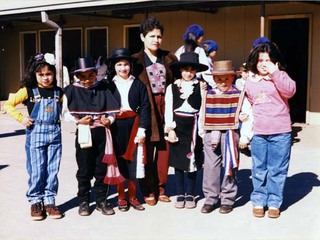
(118, 54)
(188, 59)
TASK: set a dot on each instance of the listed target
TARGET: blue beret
(211, 46)
(260, 40)
(195, 29)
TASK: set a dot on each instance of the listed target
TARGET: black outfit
(97, 100)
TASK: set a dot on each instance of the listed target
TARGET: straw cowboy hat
(223, 68)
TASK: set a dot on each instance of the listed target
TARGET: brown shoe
(53, 212)
(164, 198)
(136, 204)
(273, 213)
(225, 209)
(258, 212)
(84, 209)
(37, 212)
(123, 205)
(105, 208)
(150, 201)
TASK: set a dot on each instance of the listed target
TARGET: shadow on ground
(294, 133)
(15, 133)
(3, 166)
(298, 186)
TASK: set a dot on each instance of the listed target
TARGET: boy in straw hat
(219, 128)
(91, 104)
(183, 102)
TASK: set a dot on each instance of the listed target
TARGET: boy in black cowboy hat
(183, 101)
(92, 105)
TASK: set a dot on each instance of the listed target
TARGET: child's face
(200, 40)
(213, 54)
(123, 68)
(263, 63)
(44, 77)
(244, 75)
(188, 73)
(152, 40)
(223, 82)
(87, 78)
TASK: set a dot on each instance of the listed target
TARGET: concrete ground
(300, 218)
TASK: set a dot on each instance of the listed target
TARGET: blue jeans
(270, 163)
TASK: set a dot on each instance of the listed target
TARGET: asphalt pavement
(299, 220)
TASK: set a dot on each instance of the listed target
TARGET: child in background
(192, 40)
(40, 93)
(91, 105)
(268, 91)
(183, 101)
(129, 129)
(241, 80)
(210, 47)
(219, 128)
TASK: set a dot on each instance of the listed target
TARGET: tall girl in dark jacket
(129, 129)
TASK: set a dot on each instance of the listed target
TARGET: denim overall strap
(43, 149)
(46, 111)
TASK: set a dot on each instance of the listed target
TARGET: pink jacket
(269, 99)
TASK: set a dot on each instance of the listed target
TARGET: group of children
(202, 125)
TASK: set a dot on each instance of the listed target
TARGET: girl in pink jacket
(268, 89)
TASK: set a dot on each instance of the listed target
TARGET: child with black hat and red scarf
(92, 105)
(129, 129)
(183, 101)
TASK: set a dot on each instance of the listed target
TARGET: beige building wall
(233, 28)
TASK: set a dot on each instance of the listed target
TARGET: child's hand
(214, 146)
(27, 122)
(105, 121)
(272, 67)
(243, 145)
(86, 120)
(172, 137)
(139, 139)
(243, 117)
(203, 85)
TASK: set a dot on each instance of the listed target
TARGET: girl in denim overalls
(40, 93)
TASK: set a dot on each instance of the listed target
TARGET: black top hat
(84, 64)
(188, 59)
(118, 54)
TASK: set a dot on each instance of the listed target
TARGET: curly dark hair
(34, 65)
(149, 24)
(274, 54)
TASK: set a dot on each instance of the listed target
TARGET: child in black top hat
(92, 105)
(183, 101)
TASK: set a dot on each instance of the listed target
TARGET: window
(28, 47)
(97, 42)
(47, 41)
(71, 46)
(132, 39)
